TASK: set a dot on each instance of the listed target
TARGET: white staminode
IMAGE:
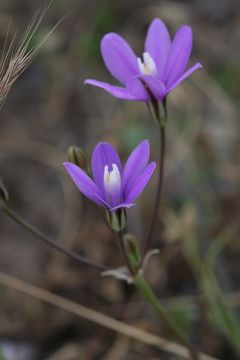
(112, 180)
(148, 66)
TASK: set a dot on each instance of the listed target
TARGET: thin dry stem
(97, 317)
(16, 58)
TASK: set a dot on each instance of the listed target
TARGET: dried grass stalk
(17, 56)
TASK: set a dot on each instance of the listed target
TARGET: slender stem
(149, 295)
(35, 231)
(123, 251)
(152, 299)
(159, 190)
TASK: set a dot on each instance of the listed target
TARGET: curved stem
(152, 299)
(35, 231)
(159, 190)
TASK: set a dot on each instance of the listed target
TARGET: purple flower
(114, 187)
(162, 68)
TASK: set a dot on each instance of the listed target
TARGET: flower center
(147, 66)
(112, 182)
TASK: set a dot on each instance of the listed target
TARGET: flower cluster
(161, 69)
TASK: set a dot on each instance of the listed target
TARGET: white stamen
(112, 180)
(147, 66)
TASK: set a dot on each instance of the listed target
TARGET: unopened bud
(4, 197)
(131, 245)
(77, 156)
(117, 219)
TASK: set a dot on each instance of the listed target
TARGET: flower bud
(77, 156)
(4, 197)
(117, 219)
(132, 250)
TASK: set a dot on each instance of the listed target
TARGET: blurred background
(50, 109)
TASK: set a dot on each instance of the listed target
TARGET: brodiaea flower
(112, 186)
(161, 69)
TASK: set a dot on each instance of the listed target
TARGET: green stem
(160, 121)
(149, 295)
(159, 192)
(35, 231)
(152, 299)
(124, 253)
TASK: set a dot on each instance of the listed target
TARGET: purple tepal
(161, 69)
(114, 187)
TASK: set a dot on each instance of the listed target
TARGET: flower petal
(140, 183)
(103, 154)
(122, 205)
(119, 58)
(179, 55)
(136, 163)
(158, 43)
(137, 89)
(116, 91)
(144, 87)
(156, 86)
(185, 76)
(84, 183)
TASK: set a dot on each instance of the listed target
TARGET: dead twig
(97, 317)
